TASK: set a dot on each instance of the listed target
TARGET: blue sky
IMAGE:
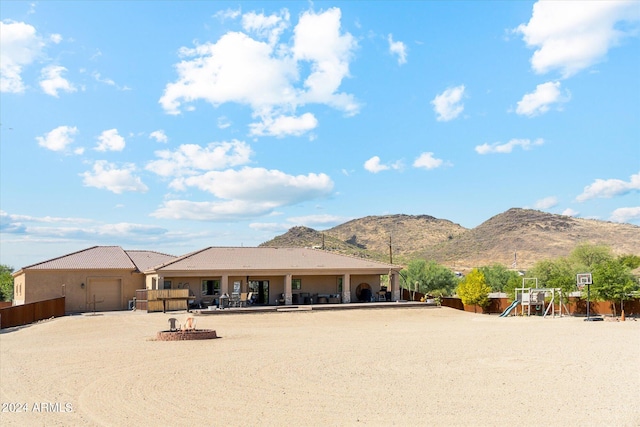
(173, 126)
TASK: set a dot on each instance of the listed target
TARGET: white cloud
(211, 211)
(19, 47)
(373, 165)
(546, 203)
(266, 76)
(109, 82)
(76, 228)
(51, 80)
(573, 35)
(607, 188)
(261, 185)
(284, 125)
(108, 176)
(223, 122)
(58, 139)
(626, 214)
(399, 49)
(538, 102)
(189, 159)
(448, 104)
(159, 136)
(427, 161)
(267, 27)
(497, 147)
(98, 77)
(228, 14)
(110, 140)
(312, 221)
(55, 38)
(318, 40)
(246, 193)
(317, 221)
(570, 212)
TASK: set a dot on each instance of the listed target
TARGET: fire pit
(186, 335)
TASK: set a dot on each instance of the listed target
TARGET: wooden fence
(154, 300)
(576, 306)
(19, 315)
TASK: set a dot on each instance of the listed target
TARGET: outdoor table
(164, 301)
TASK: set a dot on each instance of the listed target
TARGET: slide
(513, 305)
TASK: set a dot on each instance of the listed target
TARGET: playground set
(534, 297)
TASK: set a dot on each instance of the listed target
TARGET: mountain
(523, 235)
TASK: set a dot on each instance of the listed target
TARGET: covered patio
(276, 277)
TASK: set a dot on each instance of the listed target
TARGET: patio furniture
(208, 300)
(223, 302)
(189, 324)
(235, 300)
(244, 299)
(172, 324)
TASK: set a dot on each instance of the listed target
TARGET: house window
(210, 287)
(296, 284)
(167, 284)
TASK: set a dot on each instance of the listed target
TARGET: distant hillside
(534, 235)
(309, 238)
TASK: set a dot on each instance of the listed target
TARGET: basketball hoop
(583, 279)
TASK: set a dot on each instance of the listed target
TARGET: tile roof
(269, 258)
(97, 257)
(145, 260)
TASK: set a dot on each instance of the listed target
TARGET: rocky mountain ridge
(516, 238)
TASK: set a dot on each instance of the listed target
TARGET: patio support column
(346, 288)
(287, 289)
(395, 286)
(160, 283)
(224, 284)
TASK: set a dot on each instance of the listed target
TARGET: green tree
(631, 261)
(558, 273)
(6, 282)
(497, 276)
(429, 277)
(613, 281)
(439, 280)
(414, 275)
(589, 255)
(473, 289)
(514, 282)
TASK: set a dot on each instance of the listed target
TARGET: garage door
(107, 293)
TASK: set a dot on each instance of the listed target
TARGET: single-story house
(103, 278)
(100, 278)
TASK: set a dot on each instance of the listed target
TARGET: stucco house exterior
(100, 278)
(104, 278)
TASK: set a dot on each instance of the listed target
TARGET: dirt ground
(379, 367)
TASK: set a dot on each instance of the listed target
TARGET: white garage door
(107, 293)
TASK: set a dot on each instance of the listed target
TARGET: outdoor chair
(244, 297)
(235, 300)
(189, 324)
(172, 324)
